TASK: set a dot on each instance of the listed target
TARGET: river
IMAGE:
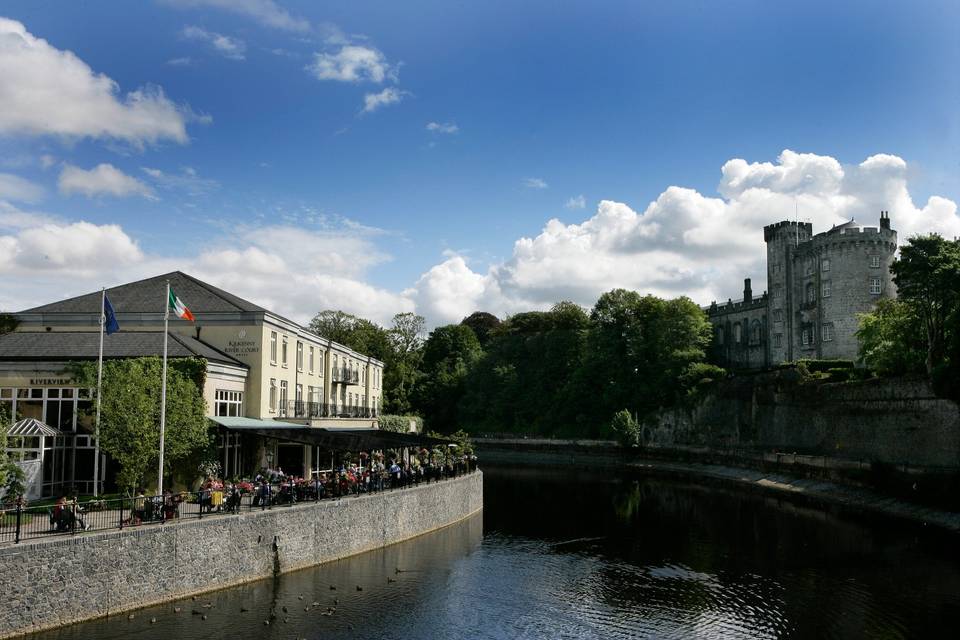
(574, 554)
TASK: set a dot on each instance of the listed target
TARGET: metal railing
(305, 409)
(18, 523)
(343, 375)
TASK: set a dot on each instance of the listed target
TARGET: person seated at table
(75, 512)
(60, 516)
(139, 512)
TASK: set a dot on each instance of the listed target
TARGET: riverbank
(60, 581)
(817, 478)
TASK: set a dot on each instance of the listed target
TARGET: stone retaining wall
(64, 580)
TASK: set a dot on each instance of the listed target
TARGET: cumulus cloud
(13, 187)
(47, 91)
(266, 12)
(352, 63)
(683, 243)
(232, 48)
(184, 61)
(103, 179)
(535, 183)
(576, 202)
(373, 101)
(443, 127)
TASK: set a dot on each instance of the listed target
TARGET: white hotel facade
(262, 369)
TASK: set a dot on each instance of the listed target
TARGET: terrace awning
(333, 439)
(32, 427)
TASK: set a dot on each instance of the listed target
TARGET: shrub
(625, 428)
(400, 424)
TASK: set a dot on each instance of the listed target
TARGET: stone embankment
(64, 580)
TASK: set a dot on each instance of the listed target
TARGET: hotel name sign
(49, 382)
(242, 347)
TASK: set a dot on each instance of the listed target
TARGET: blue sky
(541, 110)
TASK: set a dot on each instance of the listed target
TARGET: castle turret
(747, 291)
(884, 219)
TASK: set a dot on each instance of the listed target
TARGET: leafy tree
(130, 416)
(927, 275)
(625, 428)
(402, 369)
(483, 324)
(892, 339)
(448, 354)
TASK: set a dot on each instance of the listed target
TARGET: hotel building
(263, 370)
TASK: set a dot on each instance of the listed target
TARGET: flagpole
(96, 428)
(163, 388)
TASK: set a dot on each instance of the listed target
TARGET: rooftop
(85, 345)
(149, 296)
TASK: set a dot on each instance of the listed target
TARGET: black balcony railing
(304, 409)
(343, 375)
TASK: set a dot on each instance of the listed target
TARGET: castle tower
(783, 241)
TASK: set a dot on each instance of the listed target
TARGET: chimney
(747, 291)
(884, 219)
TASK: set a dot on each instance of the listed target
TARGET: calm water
(579, 555)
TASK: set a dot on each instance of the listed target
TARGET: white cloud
(232, 48)
(535, 183)
(352, 63)
(187, 181)
(442, 127)
(103, 179)
(373, 101)
(576, 202)
(266, 12)
(13, 187)
(683, 243)
(185, 61)
(46, 91)
(47, 161)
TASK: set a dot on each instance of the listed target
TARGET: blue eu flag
(110, 324)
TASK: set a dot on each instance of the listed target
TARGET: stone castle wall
(64, 580)
(894, 421)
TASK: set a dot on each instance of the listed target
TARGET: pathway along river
(569, 554)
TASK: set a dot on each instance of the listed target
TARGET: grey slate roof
(147, 296)
(84, 345)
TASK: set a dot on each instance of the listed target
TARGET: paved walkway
(831, 492)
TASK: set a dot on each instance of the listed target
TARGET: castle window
(720, 335)
(875, 286)
(806, 337)
(737, 329)
(755, 332)
(811, 292)
(826, 332)
(825, 289)
(777, 292)
(777, 315)
(808, 266)
(825, 264)
(874, 262)
(778, 340)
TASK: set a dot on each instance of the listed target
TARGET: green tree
(130, 416)
(892, 339)
(625, 428)
(927, 275)
(402, 369)
(483, 325)
(7, 323)
(448, 354)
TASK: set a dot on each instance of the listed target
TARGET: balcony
(343, 375)
(310, 410)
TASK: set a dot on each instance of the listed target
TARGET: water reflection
(568, 554)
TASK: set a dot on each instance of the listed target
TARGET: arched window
(736, 333)
(720, 335)
(755, 332)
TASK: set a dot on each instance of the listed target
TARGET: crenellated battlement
(772, 230)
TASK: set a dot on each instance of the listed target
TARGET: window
(826, 332)
(778, 340)
(283, 352)
(825, 264)
(875, 286)
(825, 289)
(755, 332)
(874, 262)
(228, 403)
(808, 266)
(720, 335)
(311, 359)
(777, 292)
(283, 395)
(299, 356)
(273, 394)
(299, 393)
(320, 363)
(737, 329)
(273, 347)
(777, 315)
(805, 337)
(811, 292)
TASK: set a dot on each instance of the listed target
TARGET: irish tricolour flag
(177, 306)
